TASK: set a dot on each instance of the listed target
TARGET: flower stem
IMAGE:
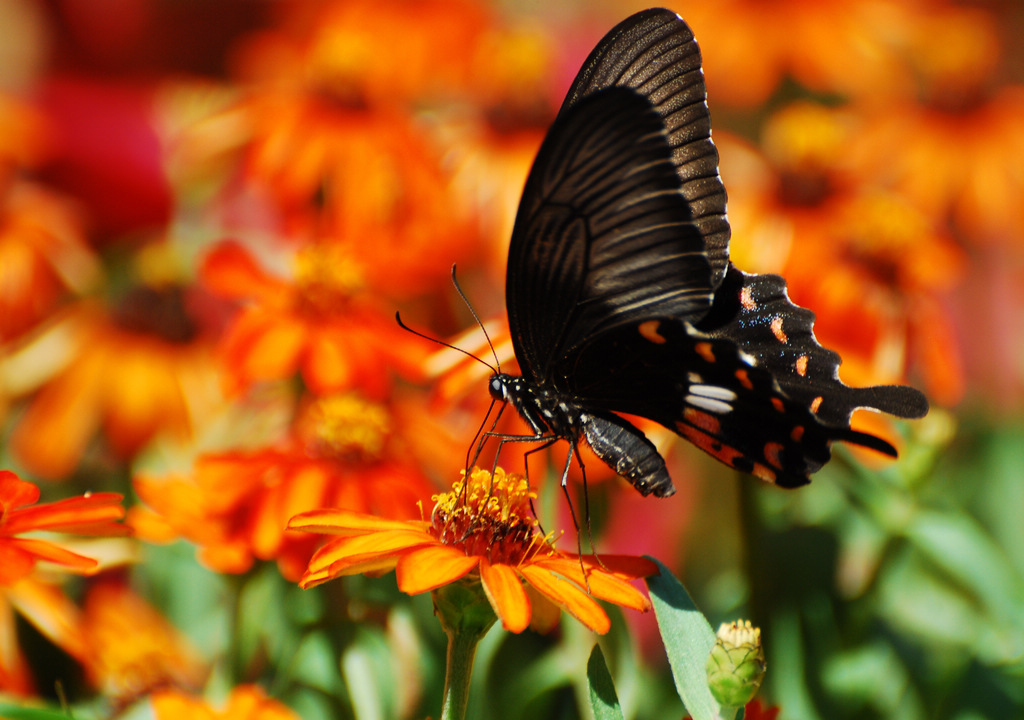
(466, 616)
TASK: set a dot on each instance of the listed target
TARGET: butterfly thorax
(546, 412)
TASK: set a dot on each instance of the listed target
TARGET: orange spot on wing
(816, 403)
(708, 444)
(747, 299)
(778, 404)
(798, 433)
(649, 330)
(705, 351)
(744, 377)
(777, 331)
(801, 365)
(704, 421)
(772, 453)
(763, 472)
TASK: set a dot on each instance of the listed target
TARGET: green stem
(466, 616)
(459, 671)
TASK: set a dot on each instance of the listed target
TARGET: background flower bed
(211, 212)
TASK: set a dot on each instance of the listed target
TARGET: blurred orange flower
(839, 46)
(43, 254)
(873, 267)
(143, 370)
(483, 530)
(955, 149)
(318, 323)
(41, 603)
(236, 505)
(246, 702)
(132, 649)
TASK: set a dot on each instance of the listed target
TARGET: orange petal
(371, 566)
(431, 567)
(362, 547)
(569, 597)
(507, 595)
(43, 550)
(230, 270)
(349, 522)
(50, 611)
(601, 584)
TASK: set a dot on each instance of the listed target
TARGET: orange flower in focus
(94, 514)
(138, 372)
(482, 531)
(132, 649)
(236, 505)
(957, 151)
(870, 264)
(841, 46)
(246, 702)
(42, 603)
(319, 324)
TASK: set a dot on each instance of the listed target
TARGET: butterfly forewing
(654, 53)
(602, 233)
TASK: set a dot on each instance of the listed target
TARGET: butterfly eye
(498, 388)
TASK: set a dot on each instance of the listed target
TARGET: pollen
(345, 427)
(489, 516)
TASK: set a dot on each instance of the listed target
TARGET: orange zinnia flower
(93, 514)
(43, 254)
(143, 370)
(132, 649)
(749, 46)
(318, 324)
(873, 267)
(42, 603)
(483, 531)
(958, 150)
(236, 505)
(246, 702)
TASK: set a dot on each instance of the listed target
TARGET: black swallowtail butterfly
(621, 297)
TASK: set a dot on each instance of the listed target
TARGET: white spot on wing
(714, 392)
(712, 405)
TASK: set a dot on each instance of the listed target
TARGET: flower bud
(736, 664)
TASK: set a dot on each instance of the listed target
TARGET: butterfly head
(499, 386)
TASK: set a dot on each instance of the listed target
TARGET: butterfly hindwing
(654, 53)
(602, 233)
(755, 312)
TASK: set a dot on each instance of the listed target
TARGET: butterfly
(622, 300)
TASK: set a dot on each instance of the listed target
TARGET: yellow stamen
(345, 427)
(489, 516)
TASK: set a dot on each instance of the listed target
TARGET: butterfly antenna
(472, 311)
(417, 333)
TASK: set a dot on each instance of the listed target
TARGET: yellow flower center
(345, 427)
(489, 517)
(805, 142)
(328, 276)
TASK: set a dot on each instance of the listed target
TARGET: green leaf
(688, 639)
(603, 700)
(13, 712)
